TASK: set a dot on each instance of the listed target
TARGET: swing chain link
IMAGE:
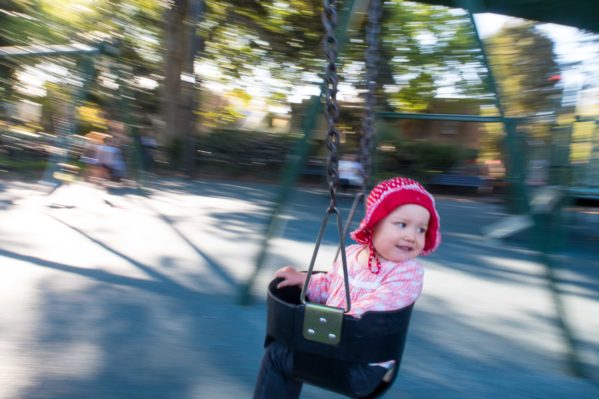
(373, 29)
(329, 20)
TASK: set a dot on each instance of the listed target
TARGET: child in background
(401, 223)
(350, 172)
(110, 159)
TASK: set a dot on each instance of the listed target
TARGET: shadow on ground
(123, 337)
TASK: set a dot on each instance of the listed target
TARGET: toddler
(401, 223)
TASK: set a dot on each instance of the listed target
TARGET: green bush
(417, 159)
(240, 152)
(264, 155)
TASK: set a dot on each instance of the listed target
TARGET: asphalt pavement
(128, 293)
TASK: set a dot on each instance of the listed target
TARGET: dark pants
(275, 379)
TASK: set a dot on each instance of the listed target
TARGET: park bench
(467, 183)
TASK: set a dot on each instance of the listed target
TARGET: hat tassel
(372, 256)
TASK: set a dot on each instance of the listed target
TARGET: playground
(131, 293)
(150, 187)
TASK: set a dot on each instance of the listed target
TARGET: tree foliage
(244, 49)
(527, 74)
(429, 51)
(526, 69)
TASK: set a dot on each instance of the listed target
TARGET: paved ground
(121, 295)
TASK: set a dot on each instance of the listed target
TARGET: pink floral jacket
(396, 286)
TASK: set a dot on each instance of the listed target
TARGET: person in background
(351, 173)
(148, 148)
(110, 160)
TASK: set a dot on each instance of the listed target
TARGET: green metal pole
(490, 81)
(515, 166)
(545, 223)
(297, 160)
(550, 235)
(516, 175)
(444, 117)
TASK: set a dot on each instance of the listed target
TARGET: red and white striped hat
(385, 197)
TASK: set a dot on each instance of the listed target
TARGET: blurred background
(206, 117)
(222, 88)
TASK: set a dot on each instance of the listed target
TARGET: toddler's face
(401, 235)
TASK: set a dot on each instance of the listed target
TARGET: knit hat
(384, 198)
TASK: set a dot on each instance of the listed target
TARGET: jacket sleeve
(318, 287)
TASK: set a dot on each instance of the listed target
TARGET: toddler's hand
(290, 277)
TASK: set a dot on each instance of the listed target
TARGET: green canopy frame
(582, 14)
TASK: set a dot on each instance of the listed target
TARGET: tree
(524, 65)
(178, 91)
(19, 25)
(128, 24)
(425, 49)
(274, 44)
(237, 38)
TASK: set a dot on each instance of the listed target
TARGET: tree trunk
(179, 88)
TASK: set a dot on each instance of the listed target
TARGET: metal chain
(373, 29)
(329, 21)
(375, 11)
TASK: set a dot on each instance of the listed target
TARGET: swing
(326, 341)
